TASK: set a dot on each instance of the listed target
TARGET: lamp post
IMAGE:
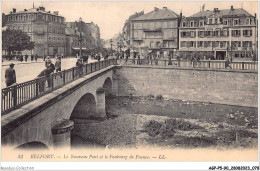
(80, 37)
(111, 41)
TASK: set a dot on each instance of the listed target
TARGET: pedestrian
(10, 76)
(48, 62)
(62, 56)
(139, 59)
(227, 63)
(26, 57)
(43, 73)
(170, 60)
(58, 66)
(36, 57)
(151, 59)
(134, 56)
(98, 57)
(21, 57)
(79, 66)
(32, 57)
(51, 69)
(44, 57)
(155, 59)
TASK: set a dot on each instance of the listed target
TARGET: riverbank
(148, 121)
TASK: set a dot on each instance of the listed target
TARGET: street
(29, 71)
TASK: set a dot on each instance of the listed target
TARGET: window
(248, 21)
(192, 34)
(183, 44)
(208, 33)
(191, 24)
(200, 44)
(184, 34)
(184, 24)
(225, 33)
(236, 33)
(216, 21)
(223, 44)
(235, 22)
(201, 33)
(201, 23)
(210, 21)
(247, 33)
(192, 44)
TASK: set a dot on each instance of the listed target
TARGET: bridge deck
(20, 115)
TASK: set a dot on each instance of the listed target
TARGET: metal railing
(212, 64)
(18, 95)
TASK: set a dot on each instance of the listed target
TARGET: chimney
(25, 10)
(255, 15)
(181, 15)
(232, 7)
(156, 9)
(42, 8)
(215, 10)
(14, 10)
(56, 12)
(164, 7)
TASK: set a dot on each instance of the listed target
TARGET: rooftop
(225, 12)
(34, 10)
(158, 14)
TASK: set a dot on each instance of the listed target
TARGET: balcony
(153, 30)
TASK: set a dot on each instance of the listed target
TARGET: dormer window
(184, 24)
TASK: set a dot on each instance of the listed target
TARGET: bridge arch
(108, 86)
(33, 145)
(85, 107)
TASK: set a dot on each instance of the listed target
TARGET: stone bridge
(41, 122)
(47, 121)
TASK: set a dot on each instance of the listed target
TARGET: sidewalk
(7, 63)
(40, 60)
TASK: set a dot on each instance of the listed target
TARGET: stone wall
(217, 86)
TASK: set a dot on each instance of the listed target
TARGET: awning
(77, 48)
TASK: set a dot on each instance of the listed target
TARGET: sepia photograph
(130, 81)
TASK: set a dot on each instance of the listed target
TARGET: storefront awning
(77, 48)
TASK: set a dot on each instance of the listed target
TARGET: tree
(16, 40)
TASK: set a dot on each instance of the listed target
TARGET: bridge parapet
(18, 95)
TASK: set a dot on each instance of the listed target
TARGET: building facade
(90, 34)
(219, 34)
(156, 31)
(73, 38)
(46, 29)
(127, 28)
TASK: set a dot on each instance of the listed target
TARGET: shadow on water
(80, 142)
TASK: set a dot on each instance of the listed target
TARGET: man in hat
(10, 76)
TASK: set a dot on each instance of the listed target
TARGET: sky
(110, 16)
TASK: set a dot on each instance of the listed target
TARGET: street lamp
(80, 36)
(111, 41)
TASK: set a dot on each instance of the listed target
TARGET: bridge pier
(101, 103)
(61, 133)
(115, 85)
